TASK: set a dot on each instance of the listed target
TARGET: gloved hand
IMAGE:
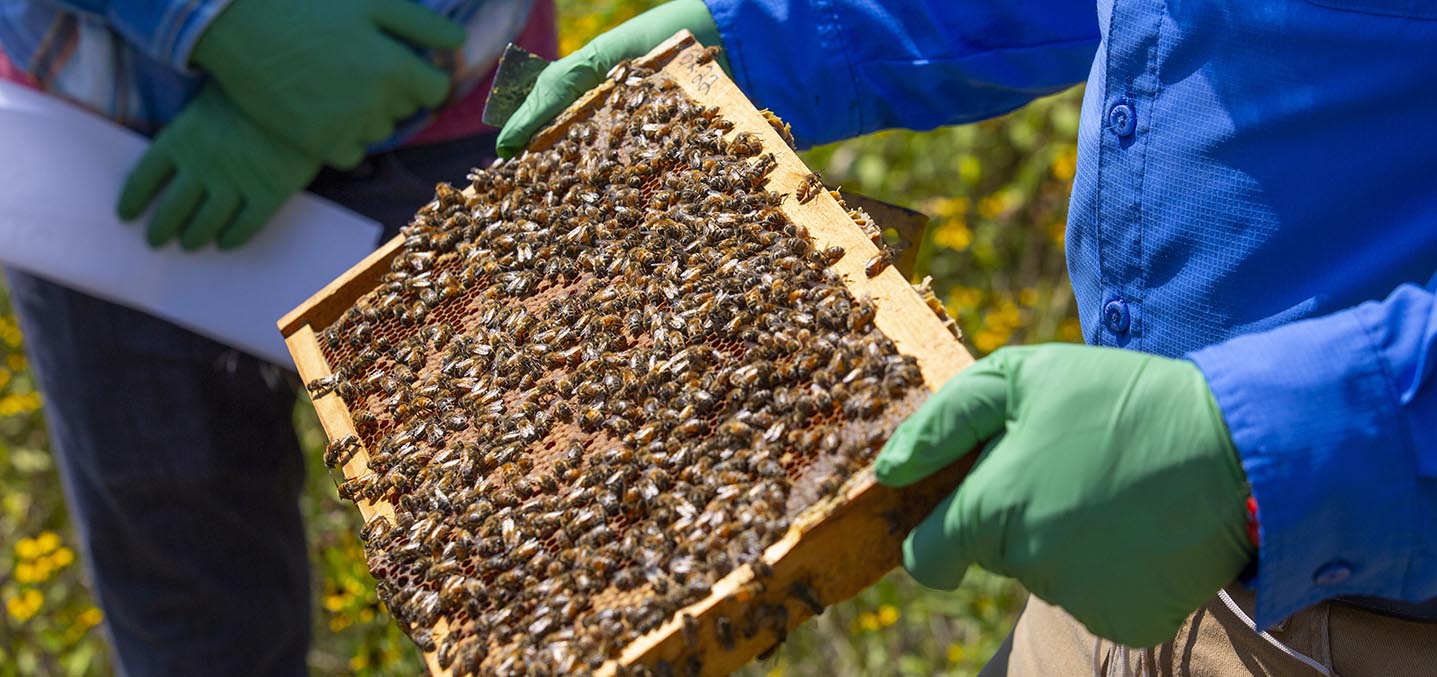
(565, 80)
(1108, 486)
(328, 76)
(226, 176)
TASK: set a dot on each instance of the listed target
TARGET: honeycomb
(596, 382)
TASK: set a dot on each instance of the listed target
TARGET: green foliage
(49, 623)
(997, 192)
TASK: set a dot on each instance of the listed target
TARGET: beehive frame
(838, 548)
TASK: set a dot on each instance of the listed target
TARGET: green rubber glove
(565, 80)
(226, 177)
(1108, 486)
(328, 76)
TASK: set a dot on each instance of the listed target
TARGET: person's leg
(182, 473)
(1044, 641)
(1368, 643)
(1213, 641)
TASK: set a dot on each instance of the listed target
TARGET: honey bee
(723, 632)
(708, 54)
(809, 188)
(745, 144)
(805, 594)
(880, 261)
(341, 450)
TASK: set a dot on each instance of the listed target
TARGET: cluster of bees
(606, 376)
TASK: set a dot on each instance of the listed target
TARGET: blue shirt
(129, 60)
(1256, 189)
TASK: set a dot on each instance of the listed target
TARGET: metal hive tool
(608, 408)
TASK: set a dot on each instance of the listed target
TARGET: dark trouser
(180, 462)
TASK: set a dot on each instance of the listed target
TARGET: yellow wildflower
(964, 298)
(15, 405)
(956, 653)
(89, 618)
(24, 607)
(1028, 296)
(887, 615)
(48, 541)
(1065, 163)
(9, 333)
(953, 234)
(25, 573)
(43, 569)
(334, 602)
(947, 207)
(987, 341)
(5, 375)
(63, 557)
(15, 361)
(868, 622)
(998, 203)
(358, 662)
(27, 548)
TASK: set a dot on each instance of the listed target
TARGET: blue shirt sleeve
(834, 69)
(1335, 418)
(166, 30)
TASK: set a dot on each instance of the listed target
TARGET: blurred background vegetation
(997, 192)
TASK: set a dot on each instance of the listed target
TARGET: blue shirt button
(1332, 573)
(1122, 119)
(1116, 317)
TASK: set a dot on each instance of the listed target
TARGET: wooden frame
(840, 547)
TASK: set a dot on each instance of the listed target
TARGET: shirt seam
(1139, 314)
(1399, 428)
(1391, 383)
(1104, 278)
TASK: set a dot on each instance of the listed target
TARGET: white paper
(61, 169)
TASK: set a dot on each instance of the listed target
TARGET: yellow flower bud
(63, 557)
(27, 548)
(89, 618)
(333, 602)
(48, 541)
(25, 573)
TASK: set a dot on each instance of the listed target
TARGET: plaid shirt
(129, 59)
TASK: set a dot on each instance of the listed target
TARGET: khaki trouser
(1348, 642)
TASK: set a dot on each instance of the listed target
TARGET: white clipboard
(61, 169)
